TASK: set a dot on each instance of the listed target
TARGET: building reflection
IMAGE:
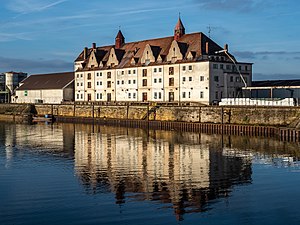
(185, 170)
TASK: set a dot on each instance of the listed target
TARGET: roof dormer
(174, 53)
(148, 55)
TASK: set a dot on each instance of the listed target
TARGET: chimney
(226, 47)
(207, 48)
(85, 53)
(94, 46)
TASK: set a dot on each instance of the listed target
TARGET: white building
(46, 88)
(179, 68)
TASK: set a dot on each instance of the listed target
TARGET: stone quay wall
(239, 115)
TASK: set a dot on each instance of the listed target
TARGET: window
(77, 96)
(183, 95)
(81, 96)
(122, 72)
(189, 94)
(129, 81)
(144, 82)
(183, 79)
(98, 83)
(171, 70)
(100, 95)
(134, 95)
(201, 94)
(97, 74)
(129, 71)
(89, 76)
(122, 81)
(81, 84)
(221, 66)
(246, 68)
(217, 95)
(154, 70)
(231, 78)
(228, 67)
(155, 80)
(190, 67)
(118, 82)
(108, 84)
(240, 68)
(77, 84)
(108, 75)
(159, 70)
(159, 95)
(133, 81)
(171, 81)
(159, 80)
(89, 84)
(144, 72)
(201, 78)
(215, 66)
(129, 95)
(183, 68)
(100, 74)
(155, 95)
(216, 78)
(81, 75)
(77, 75)
(190, 78)
(133, 71)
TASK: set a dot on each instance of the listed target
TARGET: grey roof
(274, 83)
(47, 81)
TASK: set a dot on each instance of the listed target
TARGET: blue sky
(42, 36)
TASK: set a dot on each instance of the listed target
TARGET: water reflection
(186, 171)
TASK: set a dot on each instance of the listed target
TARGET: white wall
(47, 96)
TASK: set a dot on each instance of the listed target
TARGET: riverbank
(240, 120)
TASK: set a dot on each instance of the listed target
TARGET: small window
(118, 82)
(129, 81)
(133, 81)
(108, 75)
(183, 68)
(155, 95)
(159, 95)
(81, 96)
(129, 95)
(129, 71)
(154, 70)
(122, 81)
(231, 78)
(81, 84)
(144, 82)
(77, 75)
(190, 78)
(216, 78)
(217, 95)
(133, 71)
(246, 68)
(144, 72)
(171, 70)
(122, 72)
(171, 81)
(221, 66)
(134, 95)
(215, 66)
(100, 74)
(108, 84)
(228, 67)
(190, 67)
(189, 94)
(201, 78)
(89, 84)
(159, 69)
(159, 80)
(155, 80)
(89, 76)
(98, 83)
(77, 84)
(77, 96)
(183, 95)
(183, 79)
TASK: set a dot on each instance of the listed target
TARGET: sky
(45, 36)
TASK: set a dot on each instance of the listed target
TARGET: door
(108, 97)
(171, 96)
(89, 97)
(144, 96)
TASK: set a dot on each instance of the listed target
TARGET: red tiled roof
(47, 81)
(194, 43)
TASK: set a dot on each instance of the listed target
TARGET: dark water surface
(84, 174)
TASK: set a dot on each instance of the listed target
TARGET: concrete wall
(268, 116)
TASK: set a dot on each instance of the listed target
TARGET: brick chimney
(85, 53)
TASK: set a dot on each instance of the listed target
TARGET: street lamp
(226, 53)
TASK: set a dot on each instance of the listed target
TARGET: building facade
(46, 88)
(179, 68)
(9, 81)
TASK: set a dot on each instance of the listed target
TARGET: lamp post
(226, 53)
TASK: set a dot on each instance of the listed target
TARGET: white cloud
(29, 6)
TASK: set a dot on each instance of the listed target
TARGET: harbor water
(93, 174)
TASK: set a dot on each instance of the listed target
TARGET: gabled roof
(194, 42)
(47, 81)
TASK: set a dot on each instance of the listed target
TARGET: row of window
(156, 95)
(229, 67)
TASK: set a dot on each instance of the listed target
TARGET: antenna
(209, 30)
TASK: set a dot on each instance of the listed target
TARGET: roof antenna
(209, 30)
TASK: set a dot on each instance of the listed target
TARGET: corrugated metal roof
(274, 83)
(47, 81)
